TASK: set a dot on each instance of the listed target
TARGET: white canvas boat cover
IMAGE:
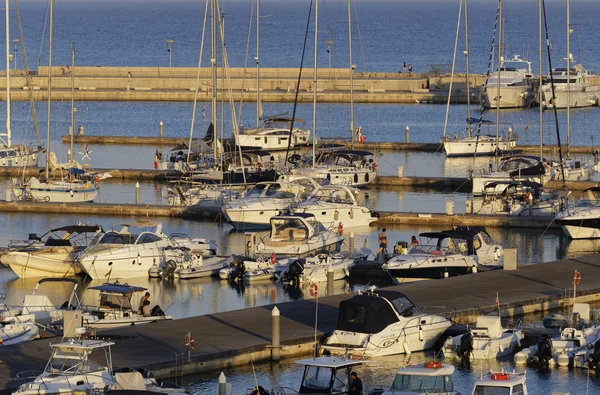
(491, 324)
(130, 381)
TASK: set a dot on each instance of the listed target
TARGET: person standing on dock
(129, 77)
(80, 130)
(383, 242)
(404, 67)
(410, 69)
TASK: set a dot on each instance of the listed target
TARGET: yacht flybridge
(383, 323)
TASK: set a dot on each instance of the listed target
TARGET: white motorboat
(486, 340)
(115, 251)
(296, 235)
(509, 383)
(197, 245)
(454, 252)
(517, 198)
(56, 256)
(516, 85)
(577, 342)
(332, 204)
(117, 307)
(248, 269)
(265, 200)
(578, 93)
(274, 134)
(351, 168)
(582, 221)
(315, 269)
(203, 267)
(432, 378)
(18, 332)
(518, 167)
(383, 323)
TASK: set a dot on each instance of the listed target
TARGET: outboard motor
(466, 347)
(544, 349)
(238, 271)
(593, 360)
(293, 273)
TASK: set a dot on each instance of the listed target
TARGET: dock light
(170, 43)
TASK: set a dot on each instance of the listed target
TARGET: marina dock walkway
(232, 338)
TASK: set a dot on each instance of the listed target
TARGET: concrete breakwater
(276, 85)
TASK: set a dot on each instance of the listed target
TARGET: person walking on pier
(356, 387)
(404, 67)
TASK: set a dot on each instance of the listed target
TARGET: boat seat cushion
(299, 234)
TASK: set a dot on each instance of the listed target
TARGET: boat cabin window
(115, 301)
(71, 362)
(316, 379)
(287, 229)
(489, 390)
(404, 306)
(256, 190)
(423, 384)
(147, 238)
(117, 238)
(341, 380)
(7, 154)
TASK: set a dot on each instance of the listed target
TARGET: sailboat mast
(541, 107)
(314, 123)
(8, 121)
(49, 93)
(213, 61)
(500, 61)
(72, 131)
(257, 63)
(351, 76)
(453, 65)
(468, 75)
(568, 79)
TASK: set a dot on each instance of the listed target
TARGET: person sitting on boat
(146, 310)
(143, 300)
(413, 241)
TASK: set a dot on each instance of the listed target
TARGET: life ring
(273, 258)
(189, 342)
(314, 290)
(341, 229)
(46, 198)
(500, 376)
(433, 365)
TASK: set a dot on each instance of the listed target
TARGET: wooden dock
(233, 338)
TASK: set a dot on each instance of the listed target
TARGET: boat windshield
(493, 390)
(316, 379)
(445, 246)
(288, 229)
(588, 203)
(117, 238)
(403, 304)
(425, 384)
(259, 189)
(71, 362)
(113, 301)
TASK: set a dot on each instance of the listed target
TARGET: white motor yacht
(197, 245)
(383, 323)
(582, 221)
(204, 267)
(127, 252)
(517, 88)
(486, 340)
(315, 269)
(517, 198)
(332, 204)
(265, 200)
(518, 167)
(55, 257)
(453, 252)
(579, 340)
(432, 378)
(117, 307)
(579, 93)
(508, 383)
(274, 134)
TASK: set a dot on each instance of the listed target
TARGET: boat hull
(510, 97)
(43, 264)
(483, 147)
(432, 272)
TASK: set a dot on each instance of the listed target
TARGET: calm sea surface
(386, 33)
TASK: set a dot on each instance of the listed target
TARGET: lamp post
(15, 42)
(329, 44)
(170, 43)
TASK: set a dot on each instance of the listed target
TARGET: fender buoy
(500, 376)
(433, 365)
(273, 258)
(341, 229)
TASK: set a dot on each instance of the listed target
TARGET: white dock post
(222, 388)
(137, 193)
(161, 129)
(330, 280)
(406, 134)
(400, 171)
(275, 335)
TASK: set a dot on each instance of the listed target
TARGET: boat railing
(274, 391)
(25, 377)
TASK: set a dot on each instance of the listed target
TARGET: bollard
(161, 129)
(137, 193)
(406, 133)
(510, 259)
(330, 280)
(400, 171)
(351, 244)
(275, 335)
(222, 388)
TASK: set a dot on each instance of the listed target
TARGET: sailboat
(13, 155)
(470, 145)
(73, 187)
(351, 168)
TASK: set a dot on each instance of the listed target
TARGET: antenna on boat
(314, 291)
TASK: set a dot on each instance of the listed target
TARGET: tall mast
(213, 61)
(351, 76)
(257, 63)
(500, 61)
(468, 76)
(72, 131)
(49, 94)
(568, 79)
(8, 126)
(314, 123)
(541, 107)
